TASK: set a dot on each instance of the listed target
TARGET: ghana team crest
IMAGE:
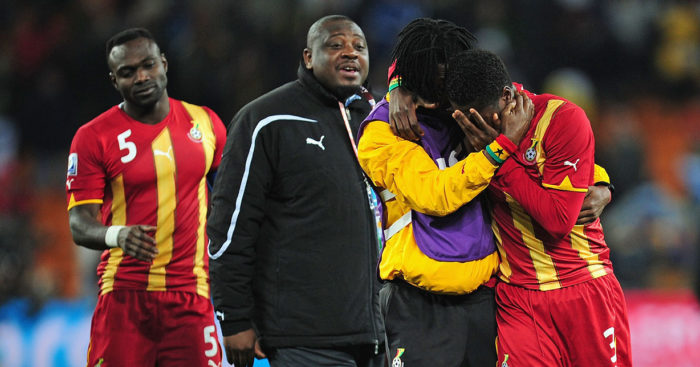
(530, 155)
(195, 134)
(397, 362)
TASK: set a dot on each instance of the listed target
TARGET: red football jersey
(152, 175)
(537, 196)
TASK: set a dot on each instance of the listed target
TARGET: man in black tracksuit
(293, 237)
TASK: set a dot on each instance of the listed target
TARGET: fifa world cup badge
(195, 134)
(530, 154)
(397, 362)
(72, 164)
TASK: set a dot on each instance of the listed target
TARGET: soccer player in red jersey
(137, 188)
(558, 301)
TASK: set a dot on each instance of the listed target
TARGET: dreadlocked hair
(475, 79)
(422, 45)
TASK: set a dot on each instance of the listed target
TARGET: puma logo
(167, 154)
(567, 163)
(69, 182)
(318, 143)
(220, 315)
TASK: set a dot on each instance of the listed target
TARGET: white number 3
(610, 333)
(210, 338)
(128, 145)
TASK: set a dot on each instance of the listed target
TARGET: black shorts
(427, 329)
(352, 356)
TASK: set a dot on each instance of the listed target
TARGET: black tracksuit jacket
(293, 243)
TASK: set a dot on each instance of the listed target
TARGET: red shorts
(581, 325)
(142, 328)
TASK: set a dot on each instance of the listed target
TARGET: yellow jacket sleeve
(407, 171)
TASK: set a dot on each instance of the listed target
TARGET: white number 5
(210, 338)
(128, 145)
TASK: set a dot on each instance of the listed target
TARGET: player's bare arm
(89, 232)
(402, 113)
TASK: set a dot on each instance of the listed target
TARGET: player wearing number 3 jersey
(558, 302)
(141, 167)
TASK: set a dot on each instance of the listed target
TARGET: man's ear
(113, 80)
(164, 61)
(307, 58)
(508, 93)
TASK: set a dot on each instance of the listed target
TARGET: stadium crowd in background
(632, 65)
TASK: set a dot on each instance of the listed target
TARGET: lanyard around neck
(347, 126)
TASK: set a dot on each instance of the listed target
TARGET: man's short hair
(476, 78)
(315, 28)
(126, 36)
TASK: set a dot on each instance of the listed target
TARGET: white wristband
(112, 234)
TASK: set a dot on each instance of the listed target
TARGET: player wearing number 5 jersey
(558, 302)
(137, 189)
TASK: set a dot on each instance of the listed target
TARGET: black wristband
(610, 186)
